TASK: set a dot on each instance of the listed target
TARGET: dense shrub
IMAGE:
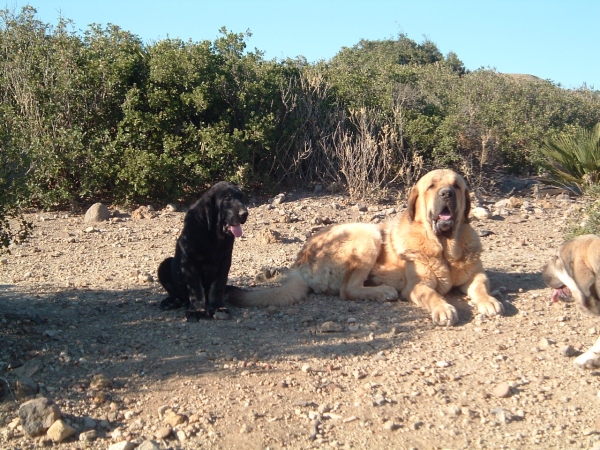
(100, 115)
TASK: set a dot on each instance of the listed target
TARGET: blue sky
(552, 39)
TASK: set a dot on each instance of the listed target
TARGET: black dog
(197, 275)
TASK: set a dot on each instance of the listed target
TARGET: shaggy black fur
(196, 276)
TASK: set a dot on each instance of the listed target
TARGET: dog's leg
(590, 358)
(165, 277)
(193, 279)
(216, 293)
(354, 288)
(478, 291)
(423, 294)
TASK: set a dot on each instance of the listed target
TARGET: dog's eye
(456, 186)
(431, 186)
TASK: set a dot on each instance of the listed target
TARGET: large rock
(38, 415)
(97, 213)
(60, 430)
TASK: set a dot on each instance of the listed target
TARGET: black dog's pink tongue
(236, 230)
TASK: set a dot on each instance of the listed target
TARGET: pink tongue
(237, 230)
(555, 295)
(445, 216)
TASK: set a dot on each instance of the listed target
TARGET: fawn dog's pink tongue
(445, 216)
(236, 230)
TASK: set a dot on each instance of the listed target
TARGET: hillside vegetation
(101, 115)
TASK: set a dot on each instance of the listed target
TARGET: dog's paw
(490, 307)
(588, 360)
(385, 294)
(444, 314)
(170, 303)
(195, 316)
(221, 313)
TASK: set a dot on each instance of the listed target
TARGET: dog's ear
(208, 207)
(467, 205)
(412, 203)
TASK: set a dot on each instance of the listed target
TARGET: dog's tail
(293, 289)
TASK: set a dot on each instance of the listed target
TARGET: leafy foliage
(99, 115)
(574, 160)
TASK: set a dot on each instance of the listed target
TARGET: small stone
(390, 425)
(123, 445)
(96, 213)
(501, 390)
(442, 364)
(481, 213)
(306, 368)
(568, 351)
(88, 436)
(330, 327)
(163, 433)
(245, 429)
(60, 430)
(544, 344)
(454, 410)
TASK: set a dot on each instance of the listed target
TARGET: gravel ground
(80, 325)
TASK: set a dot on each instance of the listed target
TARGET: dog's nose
(243, 216)
(446, 193)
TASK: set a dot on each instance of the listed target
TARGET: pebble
(502, 390)
(330, 327)
(568, 351)
(163, 433)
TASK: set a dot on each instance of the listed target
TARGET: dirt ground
(79, 304)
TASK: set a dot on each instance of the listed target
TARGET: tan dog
(574, 272)
(428, 251)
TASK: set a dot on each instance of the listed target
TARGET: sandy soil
(78, 304)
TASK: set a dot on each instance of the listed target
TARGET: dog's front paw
(444, 314)
(197, 315)
(170, 303)
(490, 307)
(588, 360)
(385, 294)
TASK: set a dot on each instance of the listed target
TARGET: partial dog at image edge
(574, 273)
(421, 256)
(197, 275)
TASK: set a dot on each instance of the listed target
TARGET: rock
(29, 368)
(502, 390)
(88, 436)
(568, 351)
(481, 213)
(171, 207)
(143, 212)
(96, 213)
(173, 419)
(543, 344)
(60, 430)
(38, 415)
(123, 445)
(330, 327)
(245, 429)
(163, 433)
(100, 381)
(278, 199)
(361, 207)
(390, 425)
(25, 388)
(269, 236)
(501, 414)
(148, 445)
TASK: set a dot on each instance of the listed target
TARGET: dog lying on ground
(197, 275)
(429, 250)
(574, 272)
